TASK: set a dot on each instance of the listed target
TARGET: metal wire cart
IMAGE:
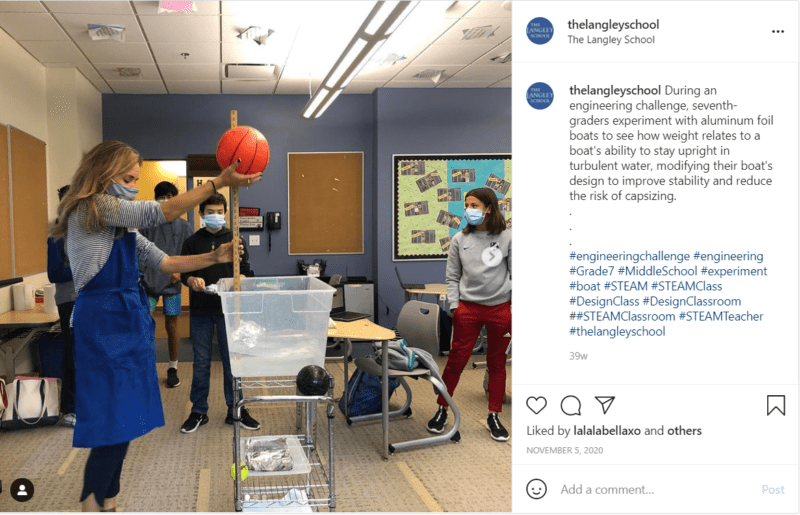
(310, 484)
(276, 326)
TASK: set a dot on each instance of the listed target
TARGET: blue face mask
(474, 216)
(214, 221)
(119, 190)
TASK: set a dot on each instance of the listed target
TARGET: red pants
(467, 322)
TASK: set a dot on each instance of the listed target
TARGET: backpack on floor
(364, 394)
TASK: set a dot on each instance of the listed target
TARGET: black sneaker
(493, 424)
(436, 424)
(172, 378)
(194, 421)
(246, 422)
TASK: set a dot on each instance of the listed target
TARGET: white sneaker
(68, 420)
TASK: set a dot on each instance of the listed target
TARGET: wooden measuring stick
(237, 286)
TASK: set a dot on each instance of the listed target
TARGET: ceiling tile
(249, 52)
(190, 72)
(138, 86)
(91, 7)
(117, 53)
(204, 7)
(406, 84)
(171, 29)
(363, 86)
(501, 28)
(452, 54)
(256, 9)
(193, 87)
(102, 86)
(53, 51)
(459, 9)
(32, 27)
(199, 52)
(382, 73)
(491, 73)
(248, 87)
(472, 84)
(409, 71)
(111, 72)
(77, 26)
(297, 87)
(89, 72)
(490, 9)
(22, 7)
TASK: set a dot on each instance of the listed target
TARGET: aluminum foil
(248, 333)
(268, 455)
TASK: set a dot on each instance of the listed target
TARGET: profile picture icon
(539, 31)
(539, 96)
(21, 489)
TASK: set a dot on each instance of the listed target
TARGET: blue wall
(174, 126)
(390, 121)
(427, 121)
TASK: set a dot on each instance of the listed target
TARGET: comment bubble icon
(571, 405)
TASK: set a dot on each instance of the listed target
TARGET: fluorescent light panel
(380, 17)
(329, 102)
(321, 94)
(346, 62)
(350, 64)
(402, 17)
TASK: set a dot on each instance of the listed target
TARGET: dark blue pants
(102, 472)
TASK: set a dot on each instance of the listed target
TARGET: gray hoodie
(479, 268)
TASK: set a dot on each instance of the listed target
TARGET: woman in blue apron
(117, 396)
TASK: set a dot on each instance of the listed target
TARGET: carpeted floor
(174, 472)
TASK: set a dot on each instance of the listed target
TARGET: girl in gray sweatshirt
(479, 292)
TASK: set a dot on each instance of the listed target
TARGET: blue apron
(117, 397)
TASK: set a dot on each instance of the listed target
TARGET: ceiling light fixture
(382, 20)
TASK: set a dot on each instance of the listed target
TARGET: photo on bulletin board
(429, 194)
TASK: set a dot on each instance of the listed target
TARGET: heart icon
(536, 404)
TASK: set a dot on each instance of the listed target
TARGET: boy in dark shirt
(168, 237)
(206, 313)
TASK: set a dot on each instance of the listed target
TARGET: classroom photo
(255, 256)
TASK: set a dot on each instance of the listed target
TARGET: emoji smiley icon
(536, 489)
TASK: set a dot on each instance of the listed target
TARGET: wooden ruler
(237, 286)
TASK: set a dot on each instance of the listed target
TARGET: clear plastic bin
(276, 325)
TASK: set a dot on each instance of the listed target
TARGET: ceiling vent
(435, 75)
(129, 72)
(502, 58)
(251, 71)
(484, 32)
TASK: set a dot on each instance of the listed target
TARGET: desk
(437, 289)
(366, 330)
(35, 319)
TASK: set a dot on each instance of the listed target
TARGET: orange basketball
(243, 143)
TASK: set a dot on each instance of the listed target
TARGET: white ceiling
(308, 38)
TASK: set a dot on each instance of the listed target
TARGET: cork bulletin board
(28, 189)
(6, 258)
(428, 200)
(326, 203)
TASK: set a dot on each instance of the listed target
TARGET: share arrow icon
(605, 402)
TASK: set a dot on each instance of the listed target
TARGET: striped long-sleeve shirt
(89, 251)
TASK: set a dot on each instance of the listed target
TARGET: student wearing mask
(479, 292)
(168, 237)
(206, 314)
(117, 397)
